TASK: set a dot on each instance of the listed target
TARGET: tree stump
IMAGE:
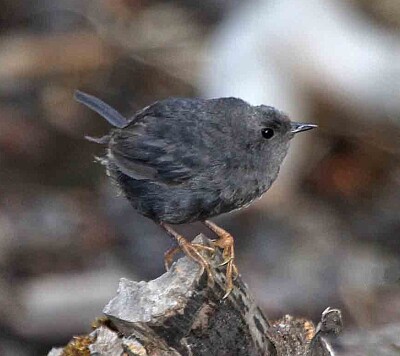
(181, 313)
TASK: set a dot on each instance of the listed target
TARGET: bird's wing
(169, 149)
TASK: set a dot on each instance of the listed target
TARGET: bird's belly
(172, 204)
(188, 203)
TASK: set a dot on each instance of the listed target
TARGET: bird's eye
(267, 133)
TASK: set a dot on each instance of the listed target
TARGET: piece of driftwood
(181, 313)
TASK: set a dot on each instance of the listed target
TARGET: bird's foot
(191, 250)
(170, 254)
(226, 243)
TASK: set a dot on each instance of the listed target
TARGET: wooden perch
(180, 313)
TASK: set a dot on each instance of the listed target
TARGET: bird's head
(274, 124)
(270, 132)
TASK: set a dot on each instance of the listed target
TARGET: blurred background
(326, 234)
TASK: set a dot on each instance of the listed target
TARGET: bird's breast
(242, 189)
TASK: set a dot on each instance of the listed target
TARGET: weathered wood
(181, 313)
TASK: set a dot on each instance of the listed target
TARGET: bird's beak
(301, 126)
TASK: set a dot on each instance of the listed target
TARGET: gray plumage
(181, 160)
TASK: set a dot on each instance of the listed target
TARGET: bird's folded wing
(155, 154)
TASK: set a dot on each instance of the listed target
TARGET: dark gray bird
(181, 160)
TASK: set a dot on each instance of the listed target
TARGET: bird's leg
(191, 250)
(226, 243)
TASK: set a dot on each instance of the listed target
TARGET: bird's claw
(231, 275)
(235, 272)
(227, 292)
(225, 262)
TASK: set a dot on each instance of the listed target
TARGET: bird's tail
(103, 109)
